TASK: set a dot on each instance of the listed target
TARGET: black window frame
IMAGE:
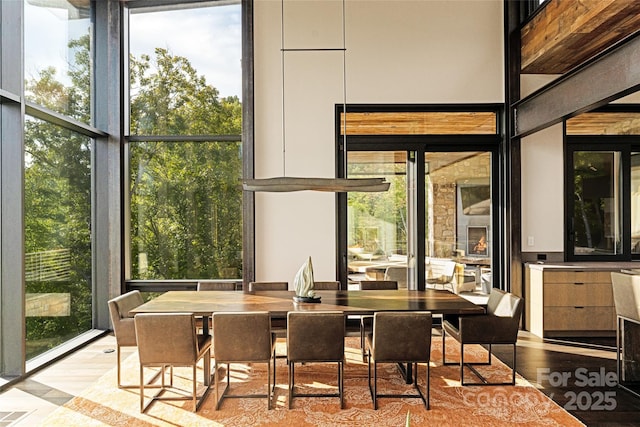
(623, 144)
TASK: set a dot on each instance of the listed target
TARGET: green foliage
(373, 209)
(593, 174)
(57, 181)
(186, 200)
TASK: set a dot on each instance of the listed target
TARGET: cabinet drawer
(570, 276)
(579, 319)
(570, 294)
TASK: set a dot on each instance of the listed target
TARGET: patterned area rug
(104, 404)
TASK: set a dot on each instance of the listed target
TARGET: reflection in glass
(597, 203)
(57, 215)
(186, 210)
(57, 56)
(377, 222)
(458, 220)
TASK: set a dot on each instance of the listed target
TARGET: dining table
(279, 303)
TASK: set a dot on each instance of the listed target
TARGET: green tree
(186, 201)
(58, 202)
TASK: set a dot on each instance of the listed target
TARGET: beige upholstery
(123, 325)
(268, 286)
(400, 337)
(243, 338)
(626, 295)
(315, 337)
(216, 286)
(626, 298)
(366, 322)
(332, 285)
(169, 339)
(499, 325)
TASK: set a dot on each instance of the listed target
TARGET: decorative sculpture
(303, 284)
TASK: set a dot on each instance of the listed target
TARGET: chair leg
(428, 382)
(375, 385)
(477, 374)
(618, 346)
(291, 382)
(372, 390)
(194, 389)
(444, 350)
(118, 366)
(269, 385)
(341, 383)
(141, 388)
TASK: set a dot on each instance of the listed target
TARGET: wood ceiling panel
(604, 124)
(564, 33)
(420, 123)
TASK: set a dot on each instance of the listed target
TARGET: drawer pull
(579, 283)
(579, 306)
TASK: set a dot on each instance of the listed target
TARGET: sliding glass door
(377, 222)
(458, 220)
(447, 207)
(436, 226)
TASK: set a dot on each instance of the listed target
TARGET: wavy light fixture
(336, 185)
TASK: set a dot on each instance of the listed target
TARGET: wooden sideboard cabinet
(566, 302)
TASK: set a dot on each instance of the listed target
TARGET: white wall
(543, 191)
(542, 186)
(397, 52)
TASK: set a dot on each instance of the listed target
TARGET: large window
(57, 56)
(185, 210)
(598, 216)
(57, 173)
(184, 151)
(57, 219)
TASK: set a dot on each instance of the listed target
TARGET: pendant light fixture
(336, 185)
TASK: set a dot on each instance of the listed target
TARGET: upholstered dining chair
(626, 298)
(365, 323)
(499, 325)
(211, 285)
(400, 337)
(216, 286)
(268, 286)
(397, 273)
(330, 285)
(170, 339)
(316, 336)
(377, 285)
(124, 327)
(243, 338)
(278, 326)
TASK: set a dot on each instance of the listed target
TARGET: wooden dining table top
(279, 303)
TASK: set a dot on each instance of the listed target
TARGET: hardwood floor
(579, 375)
(540, 362)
